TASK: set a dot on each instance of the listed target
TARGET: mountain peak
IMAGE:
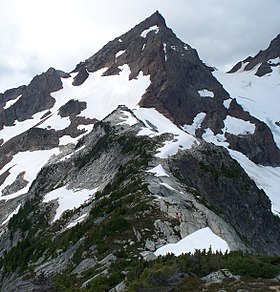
(155, 19)
(265, 59)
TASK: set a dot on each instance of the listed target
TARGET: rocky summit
(142, 151)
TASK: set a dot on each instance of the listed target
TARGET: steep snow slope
(260, 96)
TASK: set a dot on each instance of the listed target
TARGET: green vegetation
(188, 269)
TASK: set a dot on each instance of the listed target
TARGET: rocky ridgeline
(262, 59)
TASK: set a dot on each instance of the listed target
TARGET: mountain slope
(116, 159)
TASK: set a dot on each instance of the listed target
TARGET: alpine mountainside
(141, 150)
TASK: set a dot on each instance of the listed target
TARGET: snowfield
(103, 94)
(29, 162)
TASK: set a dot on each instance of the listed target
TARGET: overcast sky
(38, 34)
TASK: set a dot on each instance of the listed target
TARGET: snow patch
(55, 121)
(154, 28)
(66, 140)
(199, 240)
(158, 171)
(157, 124)
(68, 199)
(197, 121)
(227, 103)
(206, 93)
(265, 177)
(238, 127)
(218, 140)
(274, 61)
(9, 103)
(31, 162)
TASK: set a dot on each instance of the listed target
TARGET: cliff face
(139, 146)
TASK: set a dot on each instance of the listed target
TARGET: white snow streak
(75, 222)
(20, 127)
(265, 177)
(154, 28)
(11, 102)
(119, 53)
(227, 103)
(165, 51)
(167, 186)
(11, 215)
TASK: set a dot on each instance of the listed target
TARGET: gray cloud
(36, 35)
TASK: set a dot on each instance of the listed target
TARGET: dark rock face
(258, 147)
(262, 58)
(81, 76)
(72, 108)
(35, 98)
(227, 189)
